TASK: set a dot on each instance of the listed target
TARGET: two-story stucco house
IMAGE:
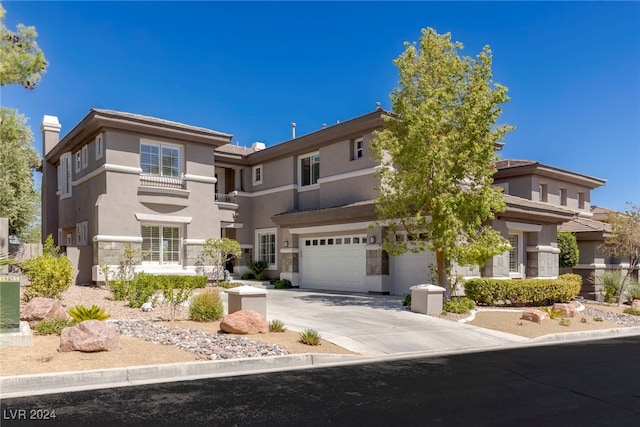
(119, 178)
(305, 206)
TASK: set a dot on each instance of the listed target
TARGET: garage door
(333, 263)
(410, 269)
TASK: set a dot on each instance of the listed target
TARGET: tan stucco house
(305, 206)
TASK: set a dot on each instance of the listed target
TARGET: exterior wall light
(286, 243)
(372, 239)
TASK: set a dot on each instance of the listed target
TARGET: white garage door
(410, 269)
(333, 263)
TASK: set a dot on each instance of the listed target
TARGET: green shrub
(564, 322)
(611, 281)
(143, 286)
(262, 276)
(80, 313)
(248, 276)
(487, 291)
(52, 326)
(282, 284)
(568, 245)
(458, 305)
(310, 337)
(633, 290)
(206, 306)
(120, 289)
(571, 277)
(406, 301)
(632, 311)
(598, 319)
(257, 267)
(50, 274)
(276, 326)
(228, 285)
(551, 312)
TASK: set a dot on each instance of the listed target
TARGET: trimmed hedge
(486, 291)
(144, 286)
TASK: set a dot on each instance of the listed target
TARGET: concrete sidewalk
(376, 326)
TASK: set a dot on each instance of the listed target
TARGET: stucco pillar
(237, 179)
(377, 279)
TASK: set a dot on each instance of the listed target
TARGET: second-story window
(309, 169)
(160, 159)
(358, 148)
(257, 175)
(64, 176)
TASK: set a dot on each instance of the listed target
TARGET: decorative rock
(244, 322)
(40, 308)
(90, 336)
(534, 315)
(568, 310)
(147, 306)
(635, 304)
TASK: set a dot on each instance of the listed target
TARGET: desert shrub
(310, 337)
(282, 284)
(551, 312)
(487, 291)
(564, 322)
(632, 311)
(229, 285)
(611, 281)
(262, 276)
(633, 290)
(248, 276)
(50, 274)
(120, 289)
(276, 326)
(52, 326)
(80, 313)
(206, 306)
(458, 305)
(257, 267)
(406, 301)
(598, 319)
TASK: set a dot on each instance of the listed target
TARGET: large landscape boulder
(567, 309)
(244, 322)
(91, 336)
(40, 308)
(534, 315)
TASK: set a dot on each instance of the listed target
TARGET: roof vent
(293, 130)
(257, 146)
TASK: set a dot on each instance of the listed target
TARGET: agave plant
(80, 313)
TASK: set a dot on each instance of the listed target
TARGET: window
(85, 156)
(542, 193)
(161, 244)
(358, 148)
(78, 161)
(309, 169)
(266, 246)
(64, 175)
(257, 175)
(99, 147)
(563, 196)
(69, 239)
(580, 200)
(514, 262)
(81, 233)
(160, 159)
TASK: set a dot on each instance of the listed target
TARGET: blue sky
(250, 69)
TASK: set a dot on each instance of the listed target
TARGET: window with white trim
(308, 169)
(543, 192)
(78, 161)
(563, 196)
(160, 244)
(99, 147)
(85, 156)
(81, 233)
(358, 148)
(160, 159)
(257, 175)
(515, 254)
(65, 181)
(266, 246)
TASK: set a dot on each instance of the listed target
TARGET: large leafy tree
(437, 154)
(21, 60)
(624, 240)
(18, 199)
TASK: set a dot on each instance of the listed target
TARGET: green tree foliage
(21, 60)
(569, 252)
(437, 154)
(624, 241)
(19, 201)
(49, 274)
(219, 251)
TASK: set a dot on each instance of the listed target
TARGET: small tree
(220, 251)
(624, 240)
(569, 252)
(437, 155)
(49, 274)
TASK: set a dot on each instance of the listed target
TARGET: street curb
(587, 335)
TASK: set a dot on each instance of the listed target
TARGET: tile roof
(235, 149)
(581, 225)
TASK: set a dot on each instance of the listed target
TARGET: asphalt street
(576, 384)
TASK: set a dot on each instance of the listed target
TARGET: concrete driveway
(376, 324)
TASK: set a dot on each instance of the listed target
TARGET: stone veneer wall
(290, 262)
(542, 264)
(497, 266)
(377, 262)
(110, 253)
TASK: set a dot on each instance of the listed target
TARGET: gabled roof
(511, 167)
(584, 225)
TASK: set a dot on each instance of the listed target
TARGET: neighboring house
(118, 178)
(590, 234)
(306, 207)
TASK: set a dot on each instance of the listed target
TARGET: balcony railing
(225, 198)
(162, 181)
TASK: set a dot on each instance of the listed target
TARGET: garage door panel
(332, 266)
(410, 269)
